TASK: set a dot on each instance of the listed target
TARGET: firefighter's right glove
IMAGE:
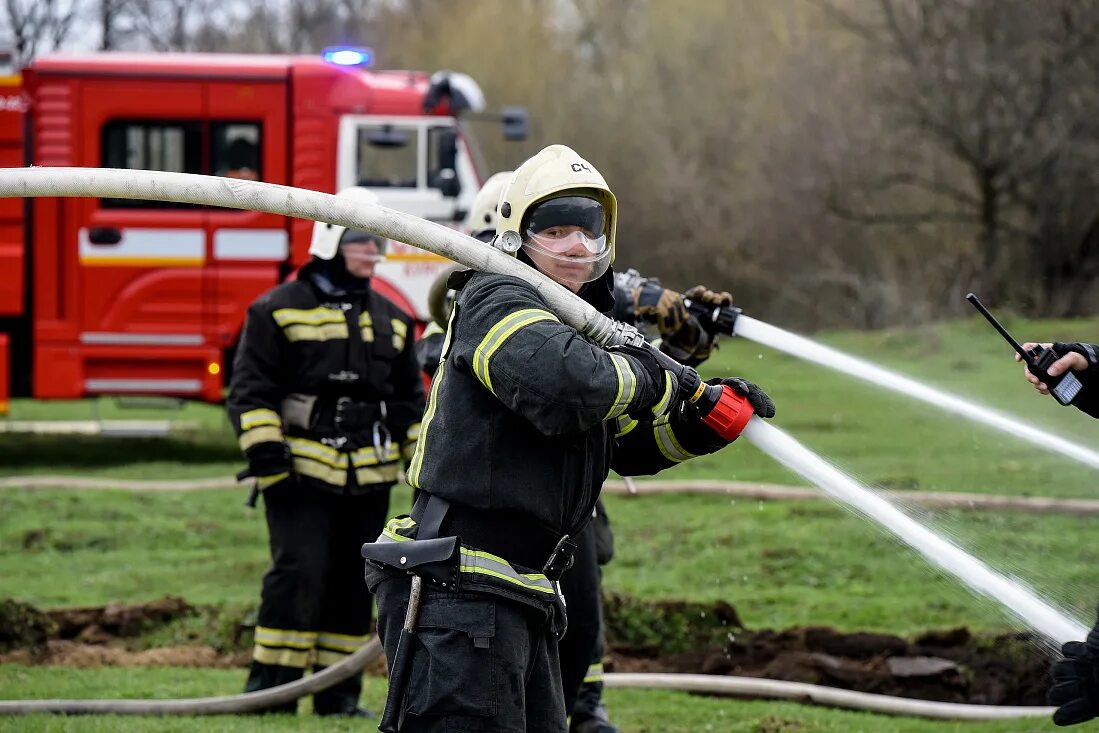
(268, 460)
(761, 403)
(663, 307)
(1075, 689)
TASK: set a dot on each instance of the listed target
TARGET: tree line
(831, 162)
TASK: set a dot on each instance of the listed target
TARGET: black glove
(1075, 689)
(1088, 401)
(269, 458)
(757, 398)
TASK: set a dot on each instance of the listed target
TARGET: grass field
(780, 563)
(636, 711)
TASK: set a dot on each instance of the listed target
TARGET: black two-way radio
(1064, 387)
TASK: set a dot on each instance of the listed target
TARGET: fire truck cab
(115, 296)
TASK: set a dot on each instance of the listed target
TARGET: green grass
(780, 563)
(883, 438)
(636, 711)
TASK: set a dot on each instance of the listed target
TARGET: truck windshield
(388, 156)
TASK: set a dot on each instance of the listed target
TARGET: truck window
(152, 145)
(388, 156)
(235, 150)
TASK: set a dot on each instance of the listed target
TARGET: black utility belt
(344, 414)
(506, 534)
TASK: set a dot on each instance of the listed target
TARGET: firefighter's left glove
(761, 403)
(662, 306)
(1075, 689)
(269, 458)
(702, 294)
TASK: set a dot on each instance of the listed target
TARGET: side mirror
(514, 122)
(446, 180)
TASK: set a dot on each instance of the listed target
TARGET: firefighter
(1075, 674)
(325, 395)
(526, 418)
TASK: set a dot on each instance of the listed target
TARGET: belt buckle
(341, 405)
(565, 550)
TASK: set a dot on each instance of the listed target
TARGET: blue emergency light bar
(348, 55)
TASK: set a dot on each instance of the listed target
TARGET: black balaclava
(332, 278)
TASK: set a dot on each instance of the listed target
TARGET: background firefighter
(525, 420)
(325, 396)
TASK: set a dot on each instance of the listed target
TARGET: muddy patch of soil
(951, 665)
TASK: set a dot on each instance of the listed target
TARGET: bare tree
(989, 104)
(37, 25)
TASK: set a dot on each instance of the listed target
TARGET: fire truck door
(140, 263)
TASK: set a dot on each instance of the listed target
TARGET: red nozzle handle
(729, 414)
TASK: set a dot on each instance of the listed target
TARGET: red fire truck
(112, 296)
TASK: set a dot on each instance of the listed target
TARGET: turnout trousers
(482, 662)
(315, 608)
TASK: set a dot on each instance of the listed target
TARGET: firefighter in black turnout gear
(641, 302)
(526, 418)
(1075, 674)
(325, 396)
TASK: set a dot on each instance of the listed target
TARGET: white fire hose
(305, 204)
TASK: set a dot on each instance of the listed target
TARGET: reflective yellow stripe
(504, 329)
(327, 658)
(344, 643)
(265, 434)
(368, 457)
(305, 448)
(263, 482)
(312, 317)
(594, 673)
(325, 332)
(400, 333)
(665, 399)
(667, 442)
(261, 416)
(285, 637)
(280, 657)
(366, 327)
(381, 475)
(321, 472)
(627, 385)
(625, 425)
(417, 462)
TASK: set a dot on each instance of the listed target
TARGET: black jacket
(527, 416)
(353, 353)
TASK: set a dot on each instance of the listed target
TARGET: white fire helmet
(481, 220)
(559, 209)
(327, 237)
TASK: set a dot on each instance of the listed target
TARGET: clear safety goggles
(359, 254)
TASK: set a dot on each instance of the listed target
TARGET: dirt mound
(950, 666)
(75, 654)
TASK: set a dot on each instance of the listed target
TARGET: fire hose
(300, 203)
